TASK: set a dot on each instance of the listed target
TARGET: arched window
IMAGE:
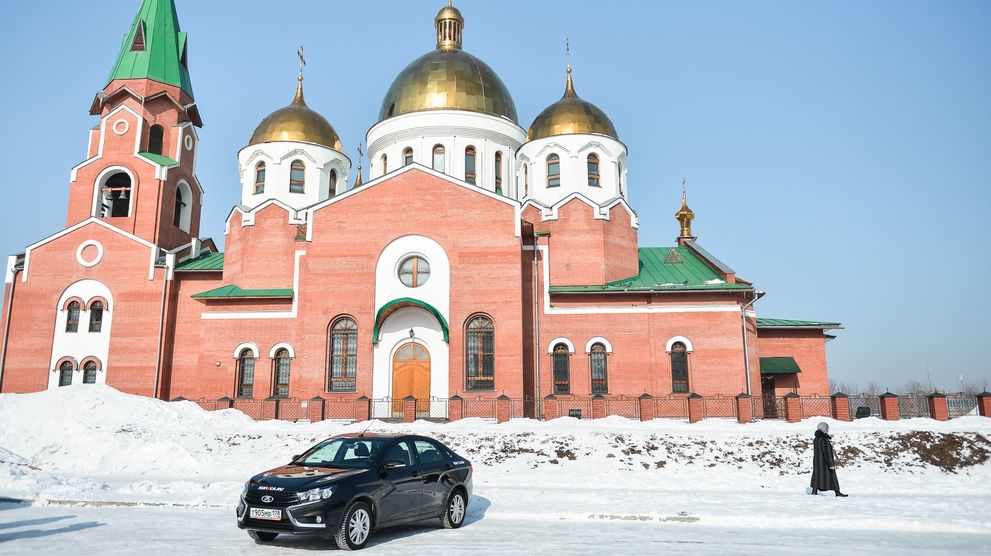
(407, 156)
(332, 182)
(96, 316)
(480, 354)
(498, 172)
(385, 164)
(562, 369)
(156, 139)
(245, 374)
(115, 195)
(526, 179)
(259, 178)
(72, 319)
(593, 170)
(470, 165)
(600, 373)
(65, 373)
(180, 208)
(438, 162)
(679, 368)
(89, 372)
(619, 179)
(343, 365)
(297, 177)
(553, 171)
(281, 382)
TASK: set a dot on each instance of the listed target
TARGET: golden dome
(296, 122)
(448, 78)
(571, 115)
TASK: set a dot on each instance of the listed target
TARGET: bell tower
(139, 169)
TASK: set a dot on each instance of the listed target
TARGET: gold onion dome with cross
(571, 115)
(297, 122)
(448, 78)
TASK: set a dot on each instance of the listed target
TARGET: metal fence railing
(864, 405)
(623, 407)
(913, 405)
(816, 406)
(484, 408)
(768, 407)
(958, 405)
(718, 406)
(671, 407)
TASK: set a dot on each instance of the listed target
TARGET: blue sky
(837, 154)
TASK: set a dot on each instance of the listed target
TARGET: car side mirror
(393, 464)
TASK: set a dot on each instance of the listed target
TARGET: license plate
(263, 513)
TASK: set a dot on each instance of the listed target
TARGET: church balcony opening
(115, 196)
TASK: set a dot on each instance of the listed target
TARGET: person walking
(824, 462)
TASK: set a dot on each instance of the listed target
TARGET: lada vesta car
(349, 485)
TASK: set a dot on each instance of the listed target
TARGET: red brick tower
(139, 170)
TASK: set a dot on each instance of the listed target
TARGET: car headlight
(316, 494)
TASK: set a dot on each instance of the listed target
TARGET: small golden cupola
(571, 115)
(297, 122)
(685, 216)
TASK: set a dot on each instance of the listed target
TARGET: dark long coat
(824, 478)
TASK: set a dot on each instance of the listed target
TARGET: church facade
(384, 289)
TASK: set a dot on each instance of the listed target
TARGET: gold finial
(685, 215)
(299, 80)
(449, 24)
(357, 181)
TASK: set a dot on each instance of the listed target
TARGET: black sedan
(351, 484)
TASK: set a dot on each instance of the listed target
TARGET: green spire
(154, 48)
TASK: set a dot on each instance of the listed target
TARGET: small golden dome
(296, 122)
(448, 78)
(684, 216)
(571, 115)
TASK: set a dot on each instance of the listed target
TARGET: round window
(414, 271)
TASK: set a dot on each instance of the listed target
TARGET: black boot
(840, 494)
(815, 491)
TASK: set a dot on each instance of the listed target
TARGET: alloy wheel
(358, 526)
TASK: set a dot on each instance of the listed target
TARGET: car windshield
(344, 452)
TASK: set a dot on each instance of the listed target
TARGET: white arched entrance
(401, 327)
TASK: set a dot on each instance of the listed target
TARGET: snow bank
(91, 442)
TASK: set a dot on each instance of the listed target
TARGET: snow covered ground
(564, 486)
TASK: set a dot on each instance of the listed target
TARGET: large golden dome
(571, 115)
(296, 122)
(448, 78)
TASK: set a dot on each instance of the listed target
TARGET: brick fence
(687, 407)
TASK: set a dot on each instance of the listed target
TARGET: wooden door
(410, 375)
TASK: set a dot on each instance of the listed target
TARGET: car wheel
(356, 527)
(262, 536)
(454, 514)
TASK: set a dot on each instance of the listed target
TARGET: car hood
(298, 477)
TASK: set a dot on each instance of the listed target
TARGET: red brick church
(330, 286)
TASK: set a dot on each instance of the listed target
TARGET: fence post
(646, 407)
(315, 409)
(984, 404)
(409, 409)
(839, 404)
(744, 408)
(179, 399)
(549, 401)
(793, 407)
(275, 403)
(695, 409)
(889, 406)
(502, 409)
(598, 406)
(226, 402)
(362, 409)
(938, 409)
(455, 408)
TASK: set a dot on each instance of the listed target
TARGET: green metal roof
(205, 262)
(778, 366)
(159, 159)
(234, 292)
(162, 57)
(664, 269)
(387, 309)
(789, 323)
